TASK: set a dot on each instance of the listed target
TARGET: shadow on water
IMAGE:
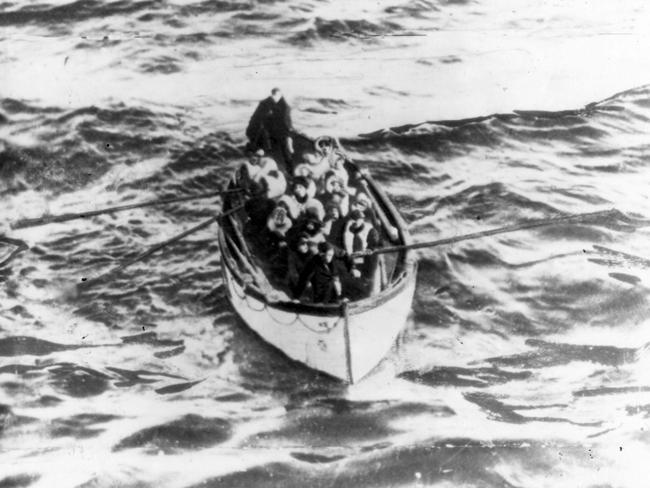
(452, 462)
(502, 412)
(332, 421)
(18, 480)
(80, 426)
(190, 432)
(548, 354)
(79, 381)
(446, 376)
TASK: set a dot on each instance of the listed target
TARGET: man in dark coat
(324, 274)
(270, 127)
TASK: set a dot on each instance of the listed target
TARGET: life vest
(297, 208)
(276, 184)
(264, 168)
(315, 208)
(291, 204)
(273, 226)
(318, 165)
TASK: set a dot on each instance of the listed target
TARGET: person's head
(303, 170)
(332, 212)
(300, 186)
(276, 94)
(326, 250)
(313, 226)
(302, 244)
(333, 184)
(356, 216)
(279, 216)
(256, 157)
(361, 202)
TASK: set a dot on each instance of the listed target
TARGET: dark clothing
(296, 262)
(258, 210)
(269, 128)
(322, 276)
(335, 235)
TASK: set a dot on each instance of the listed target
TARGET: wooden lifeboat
(346, 339)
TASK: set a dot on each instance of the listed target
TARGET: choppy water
(525, 360)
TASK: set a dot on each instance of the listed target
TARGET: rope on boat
(266, 308)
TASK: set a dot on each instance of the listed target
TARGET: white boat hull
(347, 346)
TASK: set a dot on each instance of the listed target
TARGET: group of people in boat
(310, 221)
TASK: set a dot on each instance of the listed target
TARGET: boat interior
(250, 264)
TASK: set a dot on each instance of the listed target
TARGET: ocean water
(525, 360)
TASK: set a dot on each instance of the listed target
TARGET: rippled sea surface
(525, 360)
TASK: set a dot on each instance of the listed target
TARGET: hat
(259, 152)
(303, 170)
(324, 246)
(332, 206)
(290, 204)
(363, 200)
(356, 215)
(303, 238)
(300, 180)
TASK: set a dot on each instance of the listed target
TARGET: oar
(153, 249)
(49, 219)
(501, 230)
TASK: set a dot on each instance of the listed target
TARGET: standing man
(270, 128)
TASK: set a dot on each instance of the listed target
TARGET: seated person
(257, 166)
(334, 191)
(258, 208)
(335, 160)
(323, 271)
(358, 236)
(362, 202)
(315, 165)
(304, 171)
(277, 226)
(297, 256)
(333, 225)
(311, 228)
(299, 200)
